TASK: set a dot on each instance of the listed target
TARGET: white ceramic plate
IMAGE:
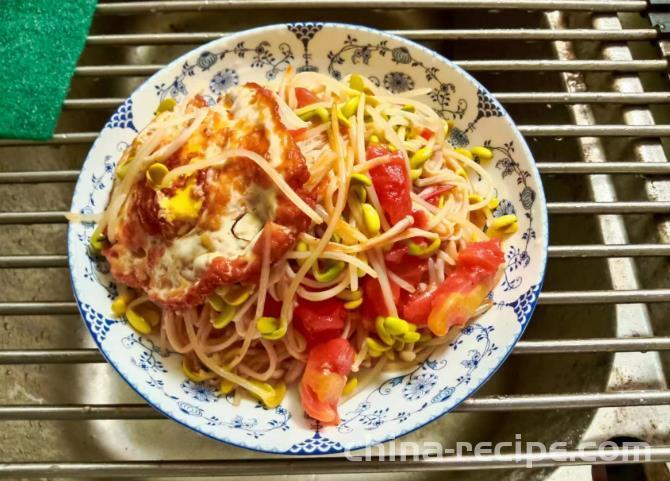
(397, 403)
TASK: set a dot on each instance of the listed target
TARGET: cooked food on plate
(310, 232)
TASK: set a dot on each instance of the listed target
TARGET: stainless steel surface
(589, 89)
(33, 261)
(566, 251)
(204, 5)
(38, 177)
(631, 207)
(564, 346)
(326, 466)
(606, 168)
(143, 70)
(427, 34)
(28, 177)
(529, 130)
(497, 403)
(505, 97)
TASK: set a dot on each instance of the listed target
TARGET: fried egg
(180, 243)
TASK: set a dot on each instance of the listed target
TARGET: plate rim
(532, 167)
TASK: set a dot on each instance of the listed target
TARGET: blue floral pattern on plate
(123, 117)
(420, 387)
(399, 402)
(223, 80)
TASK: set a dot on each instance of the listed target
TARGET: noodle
(343, 268)
(353, 278)
(338, 256)
(402, 283)
(287, 308)
(240, 315)
(272, 364)
(224, 373)
(381, 239)
(210, 348)
(326, 294)
(384, 283)
(370, 164)
(170, 330)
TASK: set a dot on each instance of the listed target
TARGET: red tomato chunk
(325, 376)
(305, 97)
(391, 182)
(319, 321)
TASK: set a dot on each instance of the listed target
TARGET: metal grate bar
(32, 218)
(528, 130)
(505, 97)
(598, 208)
(419, 34)
(294, 466)
(563, 65)
(57, 139)
(569, 401)
(549, 298)
(604, 297)
(116, 70)
(124, 8)
(37, 308)
(633, 207)
(570, 346)
(50, 356)
(601, 168)
(38, 176)
(636, 168)
(608, 250)
(554, 346)
(92, 104)
(595, 130)
(555, 252)
(471, 65)
(582, 97)
(487, 404)
(13, 262)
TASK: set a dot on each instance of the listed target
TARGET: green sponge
(40, 42)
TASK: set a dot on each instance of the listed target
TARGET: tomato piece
(462, 280)
(432, 194)
(416, 306)
(391, 182)
(272, 308)
(375, 150)
(457, 299)
(410, 268)
(305, 97)
(335, 355)
(319, 321)
(462, 292)
(426, 133)
(325, 376)
(373, 299)
(486, 255)
(396, 254)
(420, 219)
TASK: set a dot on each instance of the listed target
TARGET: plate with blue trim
(396, 403)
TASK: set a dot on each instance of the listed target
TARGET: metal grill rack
(587, 83)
